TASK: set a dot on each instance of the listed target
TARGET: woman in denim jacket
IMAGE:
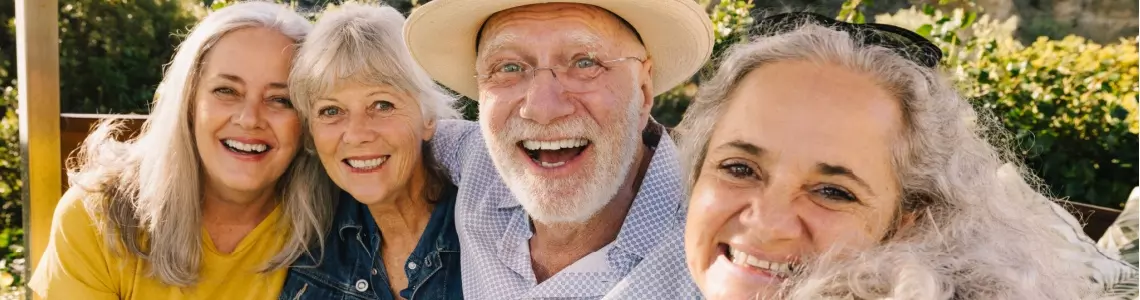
(371, 111)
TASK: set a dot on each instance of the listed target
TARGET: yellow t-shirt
(78, 264)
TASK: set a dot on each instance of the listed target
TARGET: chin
(366, 197)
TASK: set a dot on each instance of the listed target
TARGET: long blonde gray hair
(146, 192)
(971, 236)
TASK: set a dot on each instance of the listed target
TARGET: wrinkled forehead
(576, 24)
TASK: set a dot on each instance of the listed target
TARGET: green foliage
(1070, 104)
(11, 213)
(112, 52)
(731, 21)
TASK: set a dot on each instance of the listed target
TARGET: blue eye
(328, 111)
(738, 170)
(584, 63)
(383, 106)
(510, 68)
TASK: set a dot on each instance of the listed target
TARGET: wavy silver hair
(146, 192)
(971, 237)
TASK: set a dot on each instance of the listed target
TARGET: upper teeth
(741, 258)
(246, 147)
(366, 163)
(554, 145)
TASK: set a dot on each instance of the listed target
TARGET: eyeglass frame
(554, 70)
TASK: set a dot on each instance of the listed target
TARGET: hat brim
(441, 36)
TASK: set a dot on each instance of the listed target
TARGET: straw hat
(441, 37)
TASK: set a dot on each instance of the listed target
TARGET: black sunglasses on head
(910, 45)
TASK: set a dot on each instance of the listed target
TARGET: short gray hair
(971, 237)
(364, 43)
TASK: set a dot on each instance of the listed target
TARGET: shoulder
(456, 129)
(74, 212)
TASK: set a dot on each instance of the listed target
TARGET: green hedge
(1070, 104)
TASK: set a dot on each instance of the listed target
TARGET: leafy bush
(112, 52)
(731, 21)
(1070, 104)
(11, 214)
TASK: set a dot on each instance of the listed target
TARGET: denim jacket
(352, 267)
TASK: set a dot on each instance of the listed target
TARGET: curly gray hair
(971, 237)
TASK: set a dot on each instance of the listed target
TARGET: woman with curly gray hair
(832, 160)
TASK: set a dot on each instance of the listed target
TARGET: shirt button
(361, 285)
(412, 265)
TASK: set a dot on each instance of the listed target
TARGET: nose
(250, 116)
(359, 130)
(771, 217)
(544, 101)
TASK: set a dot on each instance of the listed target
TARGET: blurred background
(1060, 75)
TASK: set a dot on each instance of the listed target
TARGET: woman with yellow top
(211, 200)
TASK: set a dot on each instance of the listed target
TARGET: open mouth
(740, 258)
(245, 148)
(365, 164)
(553, 154)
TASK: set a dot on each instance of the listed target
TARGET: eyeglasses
(906, 43)
(575, 75)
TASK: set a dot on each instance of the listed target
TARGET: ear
(906, 222)
(429, 129)
(646, 90)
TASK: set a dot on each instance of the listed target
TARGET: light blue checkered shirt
(647, 260)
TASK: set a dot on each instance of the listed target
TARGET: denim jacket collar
(350, 213)
(351, 267)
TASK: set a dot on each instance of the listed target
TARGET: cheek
(326, 138)
(495, 112)
(403, 134)
(286, 126)
(711, 207)
(207, 118)
(840, 229)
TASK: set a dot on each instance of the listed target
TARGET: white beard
(577, 198)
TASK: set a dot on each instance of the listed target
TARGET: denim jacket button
(361, 285)
(374, 271)
(412, 265)
(427, 262)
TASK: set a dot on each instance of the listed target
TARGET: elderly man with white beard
(567, 187)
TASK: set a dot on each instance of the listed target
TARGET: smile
(365, 164)
(245, 148)
(740, 258)
(556, 153)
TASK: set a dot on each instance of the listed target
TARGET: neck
(555, 246)
(403, 215)
(229, 207)
(228, 215)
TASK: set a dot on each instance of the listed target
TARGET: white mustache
(521, 129)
